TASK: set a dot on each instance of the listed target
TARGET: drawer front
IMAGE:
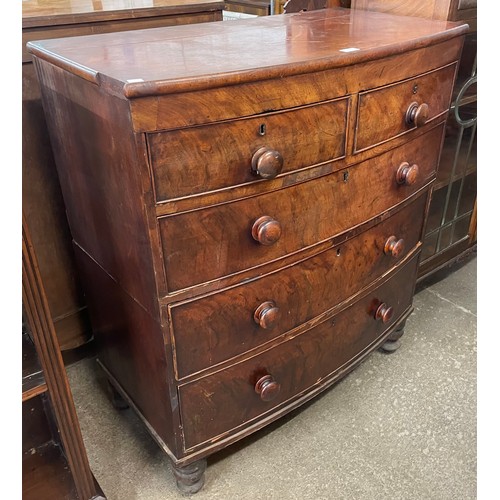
(218, 327)
(382, 113)
(206, 244)
(215, 405)
(201, 159)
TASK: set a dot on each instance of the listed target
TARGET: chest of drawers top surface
(183, 58)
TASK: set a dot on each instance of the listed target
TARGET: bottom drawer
(215, 405)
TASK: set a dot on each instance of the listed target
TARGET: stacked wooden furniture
(451, 229)
(55, 464)
(274, 7)
(452, 10)
(252, 7)
(291, 6)
(248, 228)
(43, 204)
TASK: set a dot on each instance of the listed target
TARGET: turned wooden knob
(267, 163)
(384, 312)
(417, 114)
(394, 247)
(267, 387)
(266, 230)
(407, 174)
(267, 315)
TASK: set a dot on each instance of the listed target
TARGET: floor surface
(402, 426)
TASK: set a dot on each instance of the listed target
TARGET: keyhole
(262, 129)
(346, 176)
(415, 89)
(338, 252)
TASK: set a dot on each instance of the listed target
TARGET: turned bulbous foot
(116, 398)
(190, 478)
(392, 342)
(390, 346)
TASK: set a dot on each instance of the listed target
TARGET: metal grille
(454, 193)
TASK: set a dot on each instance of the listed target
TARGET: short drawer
(217, 327)
(213, 242)
(291, 368)
(390, 111)
(206, 158)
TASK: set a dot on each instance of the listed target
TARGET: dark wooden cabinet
(451, 230)
(451, 10)
(43, 204)
(248, 230)
(55, 464)
(275, 7)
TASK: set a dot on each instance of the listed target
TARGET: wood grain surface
(382, 112)
(217, 241)
(50, 358)
(188, 57)
(301, 292)
(202, 159)
(64, 12)
(224, 221)
(296, 365)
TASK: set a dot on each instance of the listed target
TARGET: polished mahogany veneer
(194, 160)
(42, 200)
(288, 297)
(221, 239)
(299, 364)
(249, 228)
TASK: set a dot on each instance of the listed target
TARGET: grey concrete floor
(401, 426)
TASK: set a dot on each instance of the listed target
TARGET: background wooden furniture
(55, 464)
(290, 6)
(274, 7)
(43, 204)
(451, 10)
(253, 7)
(451, 230)
(248, 228)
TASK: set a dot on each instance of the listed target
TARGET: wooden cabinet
(452, 10)
(450, 233)
(274, 7)
(43, 204)
(248, 229)
(55, 463)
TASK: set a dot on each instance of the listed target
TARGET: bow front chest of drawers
(247, 202)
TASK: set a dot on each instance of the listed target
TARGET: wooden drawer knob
(267, 163)
(407, 174)
(266, 230)
(417, 115)
(267, 315)
(384, 312)
(267, 387)
(394, 247)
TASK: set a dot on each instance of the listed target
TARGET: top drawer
(396, 109)
(201, 159)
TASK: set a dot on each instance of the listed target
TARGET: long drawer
(263, 309)
(201, 159)
(257, 386)
(396, 109)
(220, 240)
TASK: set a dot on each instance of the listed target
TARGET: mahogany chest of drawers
(248, 228)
